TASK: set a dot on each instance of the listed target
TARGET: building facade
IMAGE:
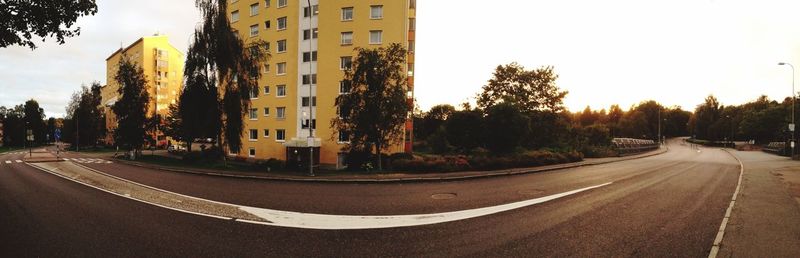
(310, 48)
(163, 68)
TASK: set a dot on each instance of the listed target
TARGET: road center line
(325, 221)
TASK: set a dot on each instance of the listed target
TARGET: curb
(508, 172)
(721, 233)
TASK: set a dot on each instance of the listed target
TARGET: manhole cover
(443, 196)
(531, 192)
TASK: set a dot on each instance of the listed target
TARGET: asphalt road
(665, 205)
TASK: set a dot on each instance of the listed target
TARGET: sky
(608, 52)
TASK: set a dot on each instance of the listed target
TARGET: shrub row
(465, 163)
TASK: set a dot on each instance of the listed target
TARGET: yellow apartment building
(163, 68)
(310, 48)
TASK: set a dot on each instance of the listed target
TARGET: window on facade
(281, 68)
(280, 90)
(253, 134)
(347, 38)
(280, 112)
(254, 93)
(266, 25)
(307, 34)
(314, 10)
(344, 136)
(282, 23)
(344, 87)
(266, 111)
(266, 3)
(253, 113)
(313, 101)
(266, 90)
(412, 24)
(376, 12)
(412, 4)
(266, 70)
(280, 135)
(345, 62)
(235, 16)
(281, 46)
(266, 133)
(347, 14)
(375, 36)
(252, 152)
(309, 78)
(254, 9)
(253, 30)
(411, 46)
(304, 125)
(282, 3)
(411, 69)
(309, 56)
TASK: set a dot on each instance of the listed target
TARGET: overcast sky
(675, 52)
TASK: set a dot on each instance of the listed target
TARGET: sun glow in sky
(606, 52)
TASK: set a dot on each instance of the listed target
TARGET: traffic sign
(57, 134)
(791, 127)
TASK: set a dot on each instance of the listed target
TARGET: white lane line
(19, 161)
(8, 162)
(325, 221)
(724, 224)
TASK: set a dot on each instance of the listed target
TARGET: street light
(791, 125)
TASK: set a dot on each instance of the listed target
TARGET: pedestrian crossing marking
(89, 160)
(19, 161)
(8, 162)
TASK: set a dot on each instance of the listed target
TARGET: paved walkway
(765, 222)
(392, 176)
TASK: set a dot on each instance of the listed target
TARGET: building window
(412, 4)
(281, 46)
(307, 34)
(347, 14)
(281, 112)
(412, 24)
(411, 69)
(254, 93)
(282, 23)
(253, 114)
(344, 87)
(280, 90)
(376, 12)
(309, 78)
(345, 62)
(266, 90)
(282, 3)
(310, 56)
(375, 36)
(344, 137)
(314, 10)
(411, 46)
(304, 125)
(313, 101)
(280, 135)
(266, 133)
(266, 111)
(235, 16)
(252, 152)
(347, 38)
(253, 30)
(266, 25)
(281, 68)
(266, 70)
(253, 135)
(254, 9)
(266, 3)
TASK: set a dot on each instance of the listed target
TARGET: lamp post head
(781, 63)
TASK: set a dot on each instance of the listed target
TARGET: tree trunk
(380, 160)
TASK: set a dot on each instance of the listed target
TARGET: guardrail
(778, 148)
(627, 146)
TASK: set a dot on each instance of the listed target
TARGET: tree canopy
(132, 107)
(22, 20)
(531, 90)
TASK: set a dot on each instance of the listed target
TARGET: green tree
(531, 90)
(433, 119)
(173, 124)
(218, 61)
(53, 18)
(85, 109)
(706, 114)
(374, 110)
(34, 120)
(132, 107)
(509, 127)
(465, 129)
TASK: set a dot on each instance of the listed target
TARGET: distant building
(314, 51)
(163, 68)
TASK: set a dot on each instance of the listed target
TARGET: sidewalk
(765, 222)
(391, 176)
(40, 155)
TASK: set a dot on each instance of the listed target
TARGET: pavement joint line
(128, 196)
(721, 233)
(293, 219)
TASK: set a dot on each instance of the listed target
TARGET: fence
(627, 146)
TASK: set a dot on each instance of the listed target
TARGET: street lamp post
(792, 125)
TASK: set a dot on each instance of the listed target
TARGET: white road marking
(8, 162)
(19, 161)
(325, 221)
(724, 224)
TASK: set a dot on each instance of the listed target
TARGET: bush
(598, 152)
(271, 164)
